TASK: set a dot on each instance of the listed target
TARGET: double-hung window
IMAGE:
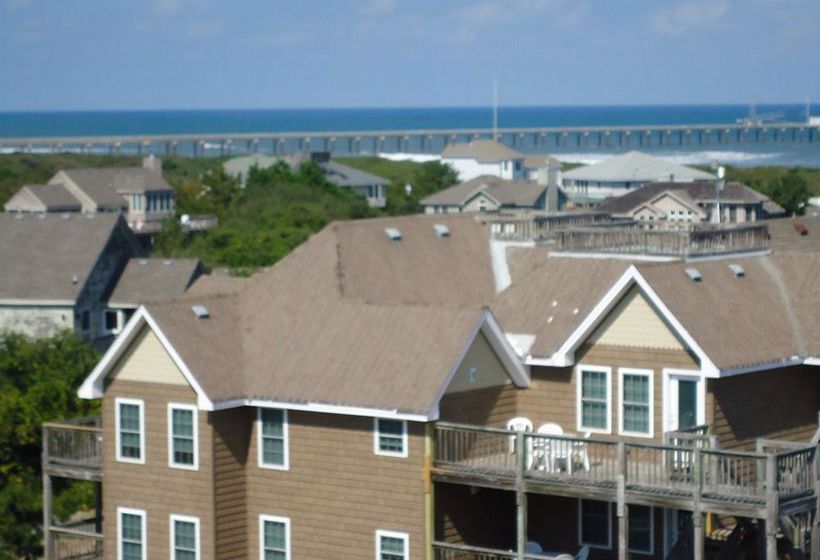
(274, 538)
(640, 530)
(636, 402)
(184, 538)
(273, 438)
(392, 546)
(130, 420)
(595, 523)
(131, 534)
(594, 411)
(390, 437)
(182, 436)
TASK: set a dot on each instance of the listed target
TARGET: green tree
(38, 383)
(791, 192)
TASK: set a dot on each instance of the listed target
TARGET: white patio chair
(518, 424)
(583, 554)
(553, 451)
(533, 547)
(579, 451)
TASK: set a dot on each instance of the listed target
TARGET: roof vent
(168, 262)
(393, 233)
(442, 230)
(143, 262)
(737, 270)
(18, 215)
(74, 279)
(66, 216)
(42, 216)
(694, 274)
(200, 311)
(90, 215)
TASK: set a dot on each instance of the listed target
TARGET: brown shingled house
(354, 401)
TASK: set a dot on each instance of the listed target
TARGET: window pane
(595, 523)
(594, 415)
(183, 422)
(594, 385)
(273, 422)
(392, 548)
(640, 528)
(636, 403)
(391, 436)
(131, 535)
(182, 429)
(130, 445)
(273, 451)
(275, 535)
(129, 417)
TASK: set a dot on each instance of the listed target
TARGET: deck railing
(540, 227)
(672, 471)
(456, 551)
(76, 542)
(73, 445)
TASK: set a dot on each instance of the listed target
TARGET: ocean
(98, 123)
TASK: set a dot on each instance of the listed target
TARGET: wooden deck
(72, 449)
(674, 476)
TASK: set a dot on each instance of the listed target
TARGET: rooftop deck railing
(689, 472)
(73, 447)
(540, 227)
(456, 551)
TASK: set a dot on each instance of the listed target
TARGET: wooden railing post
(815, 530)
(622, 509)
(771, 507)
(48, 548)
(520, 496)
(698, 538)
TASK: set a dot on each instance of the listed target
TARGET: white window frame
(141, 404)
(581, 525)
(376, 443)
(285, 437)
(579, 417)
(273, 519)
(144, 521)
(195, 413)
(668, 404)
(636, 372)
(172, 532)
(118, 328)
(405, 537)
(651, 551)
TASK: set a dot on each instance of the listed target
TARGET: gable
(147, 361)
(25, 201)
(480, 368)
(633, 322)
(474, 204)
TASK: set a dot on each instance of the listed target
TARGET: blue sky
(154, 54)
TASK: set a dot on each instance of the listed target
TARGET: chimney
(153, 163)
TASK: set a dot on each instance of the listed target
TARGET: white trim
(669, 406)
(117, 329)
(578, 392)
(405, 537)
(172, 534)
(324, 408)
(581, 525)
(92, 387)
(786, 362)
(273, 519)
(141, 404)
(195, 414)
(650, 374)
(651, 551)
(812, 361)
(377, 442)
(285, 442)
(613, 256)
(39, 302)
(144, 530)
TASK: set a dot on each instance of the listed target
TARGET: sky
(201, 54)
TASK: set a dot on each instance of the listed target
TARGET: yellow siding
(634, 323)
(146, 361)
(488, 368)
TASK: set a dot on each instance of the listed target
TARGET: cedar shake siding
(232, 435)
(156, 487)
(337, 493)
(776, 404)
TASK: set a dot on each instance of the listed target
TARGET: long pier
(431, 141)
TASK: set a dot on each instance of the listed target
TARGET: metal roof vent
(393, 233)
(143, 262)
(168, 262)
(694, 274)
(442, 230)
(18, 215)
(42, 216)
(66, 216)
(737, 270)
(200, 311)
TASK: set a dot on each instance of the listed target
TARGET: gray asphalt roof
(636, 166)
(55, 197)
(145, 280)
(506, 192)
(107, 185)
(345, 176)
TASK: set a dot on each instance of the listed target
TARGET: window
(596, 523)
(85, 320)
(640, 530)
(392, 546)
(390, 437)
(130, 421)
(131, 534)
(593, 399)
(112, 321)
(636, 402)
(274, 538)
(183, 446)
(273, 438)
(184, 538)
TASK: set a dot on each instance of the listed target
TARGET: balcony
(688, 473)
(73, 448)
(81, 540)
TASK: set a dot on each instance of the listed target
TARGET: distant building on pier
(623, 173)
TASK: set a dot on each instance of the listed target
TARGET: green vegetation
(789, 187)
(38, 383)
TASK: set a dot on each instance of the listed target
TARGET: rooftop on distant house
(636, 167)
(486, 151)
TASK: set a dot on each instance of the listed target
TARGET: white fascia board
(324, 409)
(39, 302)
(812, 361)
(92, 387)
(504, 350)
(788, 362)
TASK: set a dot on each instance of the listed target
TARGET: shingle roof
(106, 185)
(698, 191)
(540, 161)
(481, 150)
(42, 254)
(798, 234)
(506, 192)
(48, 198)
(346, 176)
(145, 280)
(636, 166)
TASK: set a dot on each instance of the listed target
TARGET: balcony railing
(678, 472)
(72, 448)
(455, 551)
(76, 541)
